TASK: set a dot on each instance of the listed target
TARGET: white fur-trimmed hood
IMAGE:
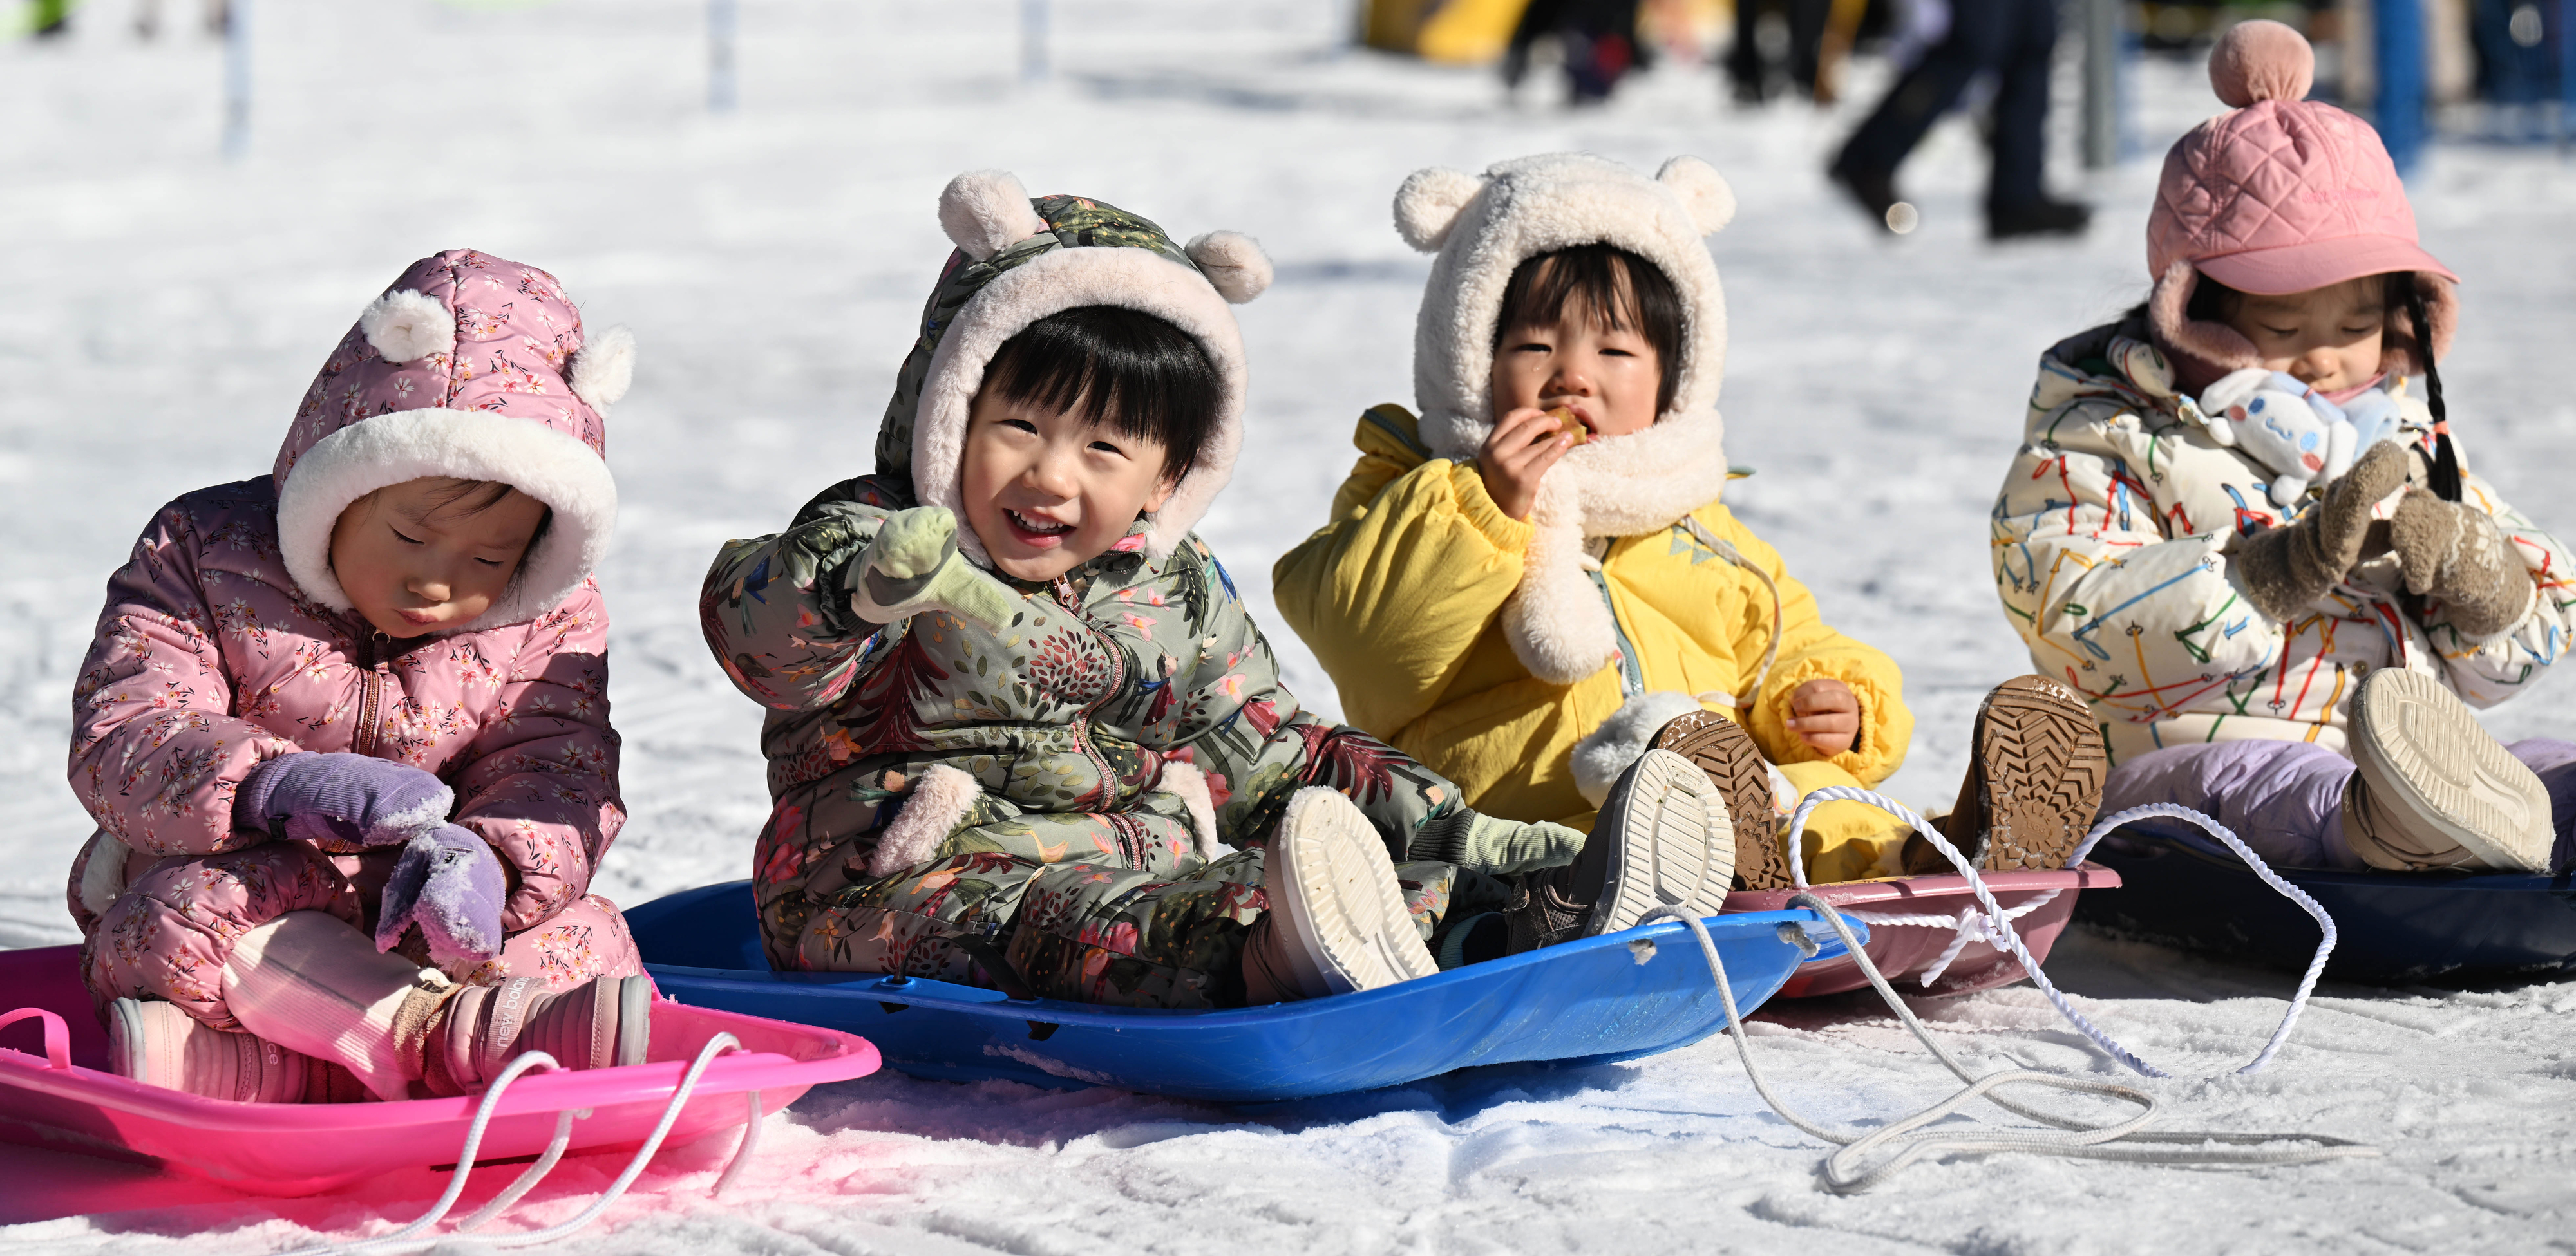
(470, 366)
(1482, 230)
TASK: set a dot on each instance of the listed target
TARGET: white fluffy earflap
(1604, 754)
(1233, 263)
(1428, 205)
(1702, 191)
(407, 326)
(936, 805)
(987, 211)
(604, 368)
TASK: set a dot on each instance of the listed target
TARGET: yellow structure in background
(1475, 32)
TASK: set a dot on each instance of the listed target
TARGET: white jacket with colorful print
(2111, 540)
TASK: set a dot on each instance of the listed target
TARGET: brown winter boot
(159, 1044)
(1720, 747)
(2034, 782)
(465, 1035)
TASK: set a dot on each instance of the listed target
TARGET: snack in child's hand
(1565, 422)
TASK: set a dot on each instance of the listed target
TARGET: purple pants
(2285, 798)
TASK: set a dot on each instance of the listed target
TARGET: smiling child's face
(415, 557)
(1046, 491)
(2327, 338)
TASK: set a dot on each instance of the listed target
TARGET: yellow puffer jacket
(1401, 598)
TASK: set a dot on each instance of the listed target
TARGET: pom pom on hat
(1233, 263)
(1429, 203)
(407, 326)
(604, 369)
(985, 212)
(2261, 60)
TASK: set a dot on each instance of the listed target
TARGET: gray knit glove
(2453, 553)
(2284, 570)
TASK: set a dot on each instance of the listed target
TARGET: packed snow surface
(161, 310)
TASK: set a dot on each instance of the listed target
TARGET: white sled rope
(411, 1235)
(1848, 1171)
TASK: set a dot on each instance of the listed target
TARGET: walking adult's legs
(2016, 202)
(1980, 31)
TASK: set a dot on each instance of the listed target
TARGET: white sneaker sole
(2417, 747)
(1333, 886)
(1672, 845)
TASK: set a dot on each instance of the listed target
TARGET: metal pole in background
(1034, 20)
(2102, 54)
(721, 92)
(236, 79)
(2566, 73)
(2397, 56)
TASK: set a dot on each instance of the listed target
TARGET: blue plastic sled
(1609, 998)
(2180, 888)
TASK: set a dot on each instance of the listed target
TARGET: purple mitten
(449, 883)
(352, 797)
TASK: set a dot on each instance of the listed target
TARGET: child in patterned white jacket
(2251, 657)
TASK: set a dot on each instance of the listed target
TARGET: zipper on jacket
(371, 692)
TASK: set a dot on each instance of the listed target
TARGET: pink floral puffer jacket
(225, 642)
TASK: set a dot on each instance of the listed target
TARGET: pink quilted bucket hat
(2281, 195)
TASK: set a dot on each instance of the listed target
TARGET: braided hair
(2446, 459)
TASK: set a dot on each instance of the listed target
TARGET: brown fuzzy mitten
(2283, 570)
(2454, 553)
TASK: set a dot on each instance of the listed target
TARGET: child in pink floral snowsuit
(289, 746)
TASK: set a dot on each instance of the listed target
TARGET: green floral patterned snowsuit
(1072, 859)
(1075, 868)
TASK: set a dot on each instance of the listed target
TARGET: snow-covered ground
(161, 311)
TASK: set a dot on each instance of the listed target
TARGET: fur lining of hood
(545, 463)
(1015, 265)
(1482, 230)
(2204, 351)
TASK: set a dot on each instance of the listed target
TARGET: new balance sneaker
(159, 1044)
(1337, 921)
(2034, 783)
(2431, 789)
(469, 1034)
(1662, 840)
(1720, 747)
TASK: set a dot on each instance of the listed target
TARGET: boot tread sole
(2414, 742)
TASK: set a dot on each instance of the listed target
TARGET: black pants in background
(2014, 39)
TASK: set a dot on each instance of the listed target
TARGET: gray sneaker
(2432, 790)
(1662, 839)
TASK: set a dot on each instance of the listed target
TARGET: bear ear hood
(467, 366)
(1020, 259)
(1482, 228)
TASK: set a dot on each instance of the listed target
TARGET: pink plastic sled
(1928, 934)
(61, 1097)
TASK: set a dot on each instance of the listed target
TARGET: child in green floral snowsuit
(1007, 753)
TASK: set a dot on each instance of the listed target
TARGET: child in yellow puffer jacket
(1536, 582)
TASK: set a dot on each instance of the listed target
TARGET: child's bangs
(1118, 368)
(1611, 286)
(1593, 279)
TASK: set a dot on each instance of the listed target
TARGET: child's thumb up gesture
(913, 566)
